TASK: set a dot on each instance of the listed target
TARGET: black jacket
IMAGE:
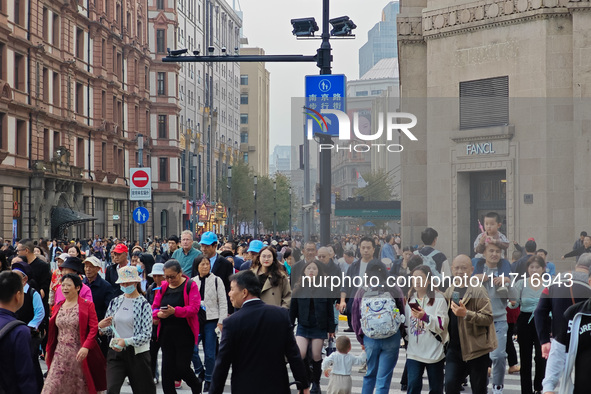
(323, 311)
(258, 337)
(102, 294)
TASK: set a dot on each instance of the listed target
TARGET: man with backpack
(17, 374)
(432, 257)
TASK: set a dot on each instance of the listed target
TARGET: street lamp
(194, 194)
(274, 207)
(290, 213)
(140, 162)
(256, 222)
(230, 202)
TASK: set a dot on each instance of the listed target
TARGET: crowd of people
(100, 311)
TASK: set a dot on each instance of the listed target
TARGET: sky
(266, 24)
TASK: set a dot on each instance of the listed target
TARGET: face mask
(128, 289)
(140, 270)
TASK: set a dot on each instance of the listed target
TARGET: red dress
(94, 366)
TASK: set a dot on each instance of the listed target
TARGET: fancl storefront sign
(484, 148)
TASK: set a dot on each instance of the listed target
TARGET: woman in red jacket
(176, 308)
(73, 355)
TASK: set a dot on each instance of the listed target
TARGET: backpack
(380, 317)
(430, 262)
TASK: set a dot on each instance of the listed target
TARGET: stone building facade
(503, 107)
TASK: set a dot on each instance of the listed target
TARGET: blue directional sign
(141, 215)
(327, 91)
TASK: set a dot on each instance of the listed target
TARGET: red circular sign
(140, 178)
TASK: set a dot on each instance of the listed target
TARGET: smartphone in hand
(414, 305)
(163, 308)
(455, 297)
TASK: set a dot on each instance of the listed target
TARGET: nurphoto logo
(342, 130)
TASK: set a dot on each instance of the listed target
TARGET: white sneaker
(497, 389)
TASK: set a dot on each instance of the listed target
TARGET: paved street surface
(511, 381)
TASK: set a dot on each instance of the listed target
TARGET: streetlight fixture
(274, 207)
(256, 221)
(230, 202)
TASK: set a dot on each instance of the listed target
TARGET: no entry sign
(140, 188)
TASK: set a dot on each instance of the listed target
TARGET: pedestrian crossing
(512, 382)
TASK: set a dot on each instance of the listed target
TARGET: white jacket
(423, 344)
(214, 298)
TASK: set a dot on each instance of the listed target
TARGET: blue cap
(255, 246)
(208, 238)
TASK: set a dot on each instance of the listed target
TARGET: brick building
(75, 83)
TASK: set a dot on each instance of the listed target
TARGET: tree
(380, 186)
(242, 203)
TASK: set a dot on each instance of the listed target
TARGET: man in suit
(219, 265)
(255, 342)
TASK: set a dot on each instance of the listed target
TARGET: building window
(55, 39)
(243, 98)
(163, 170)
(484, 103)
(162, 132)
(161, 84)
(361, 94)
(56, 89)
(244, 80)
(160, 4)
(45, 85)
(2, 60)
(46, 156)
(45, 23)
(243, 118)
(19, 71)
(3, 132)
(376, 92)
(21, 138)
(103, 52)
(104, 104)
(146, 78)
(104, 156)
(56, 140)
(244, 138)
(79, 99)
(79, 152)
(19, 12)
(79, 43)
(160, 41)
(245, 157)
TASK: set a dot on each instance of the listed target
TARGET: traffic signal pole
(323, 59)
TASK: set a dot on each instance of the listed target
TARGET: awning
(62, 218)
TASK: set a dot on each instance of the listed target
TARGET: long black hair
(276, 270)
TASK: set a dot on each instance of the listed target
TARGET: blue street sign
(327, 91)
(141, 215)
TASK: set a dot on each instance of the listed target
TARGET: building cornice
(482, 14)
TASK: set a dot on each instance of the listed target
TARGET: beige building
(517, 142)
(254, 113)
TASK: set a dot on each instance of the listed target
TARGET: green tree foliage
(380, 186)
(242, 203)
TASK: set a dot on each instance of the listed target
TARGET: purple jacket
(356, 311)
(189, 311)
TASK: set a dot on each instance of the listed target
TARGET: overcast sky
(266, 24)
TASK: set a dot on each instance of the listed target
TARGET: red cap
(120, 248)
(531, 239)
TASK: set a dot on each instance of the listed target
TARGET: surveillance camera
(224, 49)
(211, 49)
(308, 206)
(196, 53)
(236, 49)
(177, 52)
